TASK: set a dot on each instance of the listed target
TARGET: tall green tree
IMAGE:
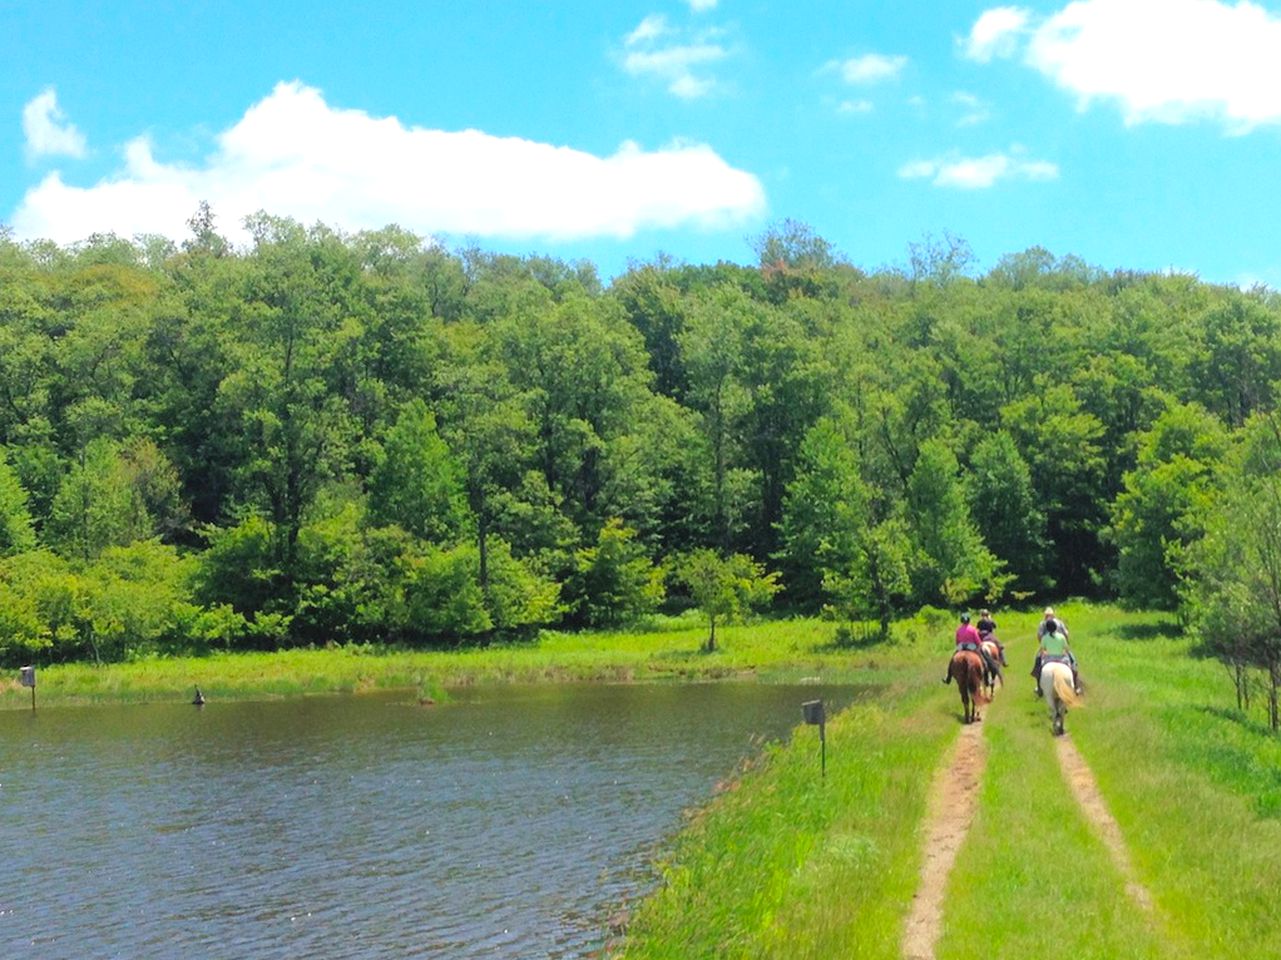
(417, 483)
(96, 507)
(1060, 442)
(295, 430)
(1003, 507)
(725, 588)
(952, 564)
(1158, 513)
(16, 530)
(826, 514)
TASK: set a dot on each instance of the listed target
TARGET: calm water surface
(506, 823)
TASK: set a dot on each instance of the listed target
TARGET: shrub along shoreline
(670, 649)
(664, 649)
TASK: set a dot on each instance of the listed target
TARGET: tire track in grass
(953, 803)
(1086, 790)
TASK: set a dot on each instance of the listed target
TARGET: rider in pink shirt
(967, 633)
(967, 638)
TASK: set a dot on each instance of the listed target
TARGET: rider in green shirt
(1053, 643)
(1054, 646)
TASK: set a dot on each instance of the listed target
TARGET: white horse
(994, 652)
(1056, 687)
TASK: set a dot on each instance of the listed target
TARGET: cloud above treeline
(1163, 61)
(47, 132)
(680, 57)
(292, 154)
(978, 173)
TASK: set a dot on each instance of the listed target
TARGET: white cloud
(292, 154)
(47, 132)
(869, 68)
(1165, 61)
(978, 173)
(651, 28)
(848, 107)
(676, 57)
(700, 6)
(996, 33)
(973, 110)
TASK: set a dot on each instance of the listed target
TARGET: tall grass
(1195, 787)
(784, 867)
(671, 650)
(790, 865)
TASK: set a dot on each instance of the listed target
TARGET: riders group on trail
(968, 638)
(1052, 645)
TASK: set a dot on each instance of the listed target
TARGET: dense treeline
(372, 437)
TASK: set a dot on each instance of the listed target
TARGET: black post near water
(813, 711)
(27, 677)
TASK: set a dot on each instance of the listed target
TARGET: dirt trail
(1083, 785)
(953, 802)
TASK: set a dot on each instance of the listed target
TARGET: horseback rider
(987, 631)
(967, 638)
(1052, 637)
(1048, 619)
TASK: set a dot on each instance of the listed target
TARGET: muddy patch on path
(953, 801)
(1086, 791)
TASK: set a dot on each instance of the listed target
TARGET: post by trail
(27, 677)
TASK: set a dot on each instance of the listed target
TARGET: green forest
(324, 437)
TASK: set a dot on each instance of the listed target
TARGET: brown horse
(966, 669)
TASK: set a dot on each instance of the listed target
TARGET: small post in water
(27, 677)
(813, 711)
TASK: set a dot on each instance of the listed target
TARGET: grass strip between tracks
(1033, 879)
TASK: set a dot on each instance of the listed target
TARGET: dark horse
(966, 669)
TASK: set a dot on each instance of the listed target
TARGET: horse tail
(1063, 688)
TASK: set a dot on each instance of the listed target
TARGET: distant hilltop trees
(371, 437)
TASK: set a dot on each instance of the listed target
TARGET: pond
(507, 822)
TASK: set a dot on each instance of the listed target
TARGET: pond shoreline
(771, 651)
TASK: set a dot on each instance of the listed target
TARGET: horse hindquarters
(967, 669)
(1056, 687)
(991, 678)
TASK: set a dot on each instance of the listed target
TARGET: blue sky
(1139, 134)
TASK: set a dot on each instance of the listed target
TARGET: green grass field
(777, 650)
(1192, 786)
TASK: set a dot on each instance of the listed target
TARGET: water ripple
(505, 824)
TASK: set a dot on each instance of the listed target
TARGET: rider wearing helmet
(1052, 637)
(967, 638)
(987, 631)
(1048, 619)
